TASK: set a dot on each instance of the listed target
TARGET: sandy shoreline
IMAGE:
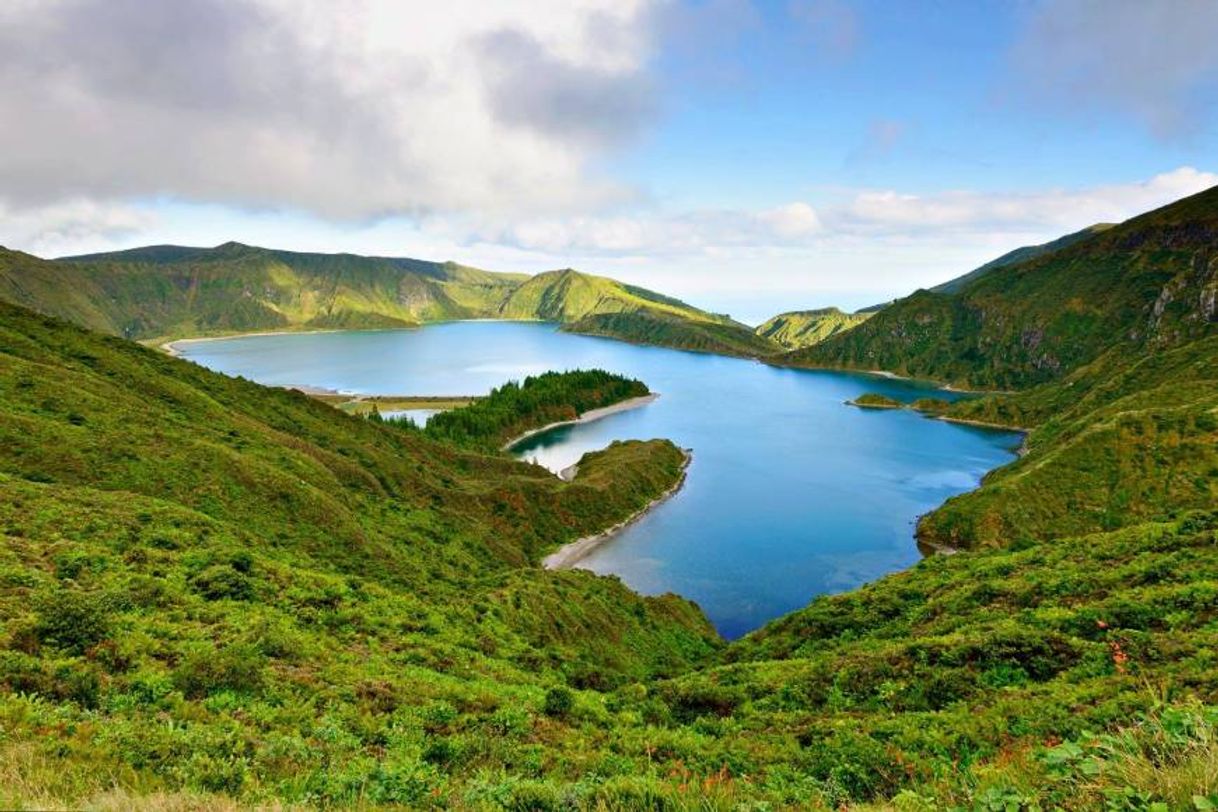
(586, 417)
(568, 555)
(174, 347)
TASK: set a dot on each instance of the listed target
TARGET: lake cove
(790, 492)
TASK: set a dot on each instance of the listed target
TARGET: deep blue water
(791, 493)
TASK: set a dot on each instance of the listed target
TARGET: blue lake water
(791, 493)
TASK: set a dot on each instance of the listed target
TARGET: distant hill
(595, 305)
(165, 291)
(1148, 283)
(803, 328)
(650, 326)
(1019, 255)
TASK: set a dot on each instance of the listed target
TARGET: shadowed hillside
(1020, 255)
(1141, 286)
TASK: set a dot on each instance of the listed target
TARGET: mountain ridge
(1148, 282)
(1021, 254)
(803, 328)
(168, 291)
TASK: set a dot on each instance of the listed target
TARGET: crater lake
(790, 494)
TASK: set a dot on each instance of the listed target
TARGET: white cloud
(863, 247)
(891, 212)
(888, 215)
(791, 221)
(348, 110)
(869, 246)
(72, 226)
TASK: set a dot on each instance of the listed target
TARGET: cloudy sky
(747, 156)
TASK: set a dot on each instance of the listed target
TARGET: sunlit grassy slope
(803, 328)
(171, 291)
(595, 305)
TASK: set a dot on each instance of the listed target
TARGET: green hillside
(1117, 442)
(167, 291)
(567, 296)
(803, 328)
(1138, 287)
(164, 291)
(210, 590)
(594, 305)
(667, 330)
(291, 584)
(1020, 255)
(1067, 675)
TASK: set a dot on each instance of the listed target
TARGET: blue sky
(749, 157)
(915, 100)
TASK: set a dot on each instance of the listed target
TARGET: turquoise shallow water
(791, 493)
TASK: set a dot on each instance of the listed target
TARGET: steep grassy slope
(594, 305)
(568, 295)
(171, 291)
(177, 542)
(1020, 255)
(803, 328)
(1147, 284)
(1117, 442)
(984, 680)
(86, 411)
(648, 327)
(209, 589)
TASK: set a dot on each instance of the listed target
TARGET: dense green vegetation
(987, 680)
(871, 400)
(209, 588)
(1139, 287)
(643, 327)
(1117, 442)
(1020, 255)
(803, 328)
(516, 408)
(293, 587)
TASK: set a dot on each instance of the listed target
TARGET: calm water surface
(791, 494)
